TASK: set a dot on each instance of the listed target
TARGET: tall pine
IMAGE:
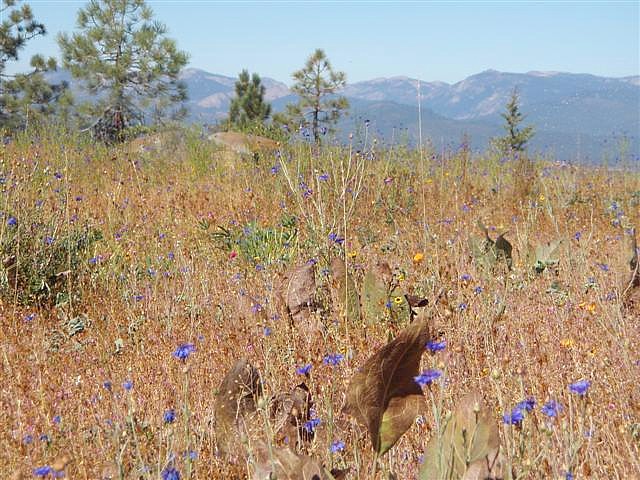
(517, 136)
(126, 64)
(248, 107)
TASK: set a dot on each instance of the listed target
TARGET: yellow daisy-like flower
(353, 254)
(567, 342)
(591, 308)
(397, 300)
(542, 197)
(418, 257)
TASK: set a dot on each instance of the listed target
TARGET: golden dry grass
(160, 281)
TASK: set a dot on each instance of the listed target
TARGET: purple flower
(275, 169)
(462, 307)
(107, 385)
(477, 290)
(29, 317)
(170, 473)
(465, 277)
(551, 409)
(49, 240)
(427, 377)
(311, 425)
(267, 331)
(434, 346)
(169, 416)
(332, 359)
(183, 351)
(577, 236)
(12, 222)
(527, 405)
(335, 238)
(58, 175)
(603, 266)
(43, 471)
(337, 446)
(27, 439)
(514, 418)
(323, 177)
(128, 385)
(304, 370)
(57, 419)
(580, 387)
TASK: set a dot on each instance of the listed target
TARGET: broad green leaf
(383, 395)
(470, 440)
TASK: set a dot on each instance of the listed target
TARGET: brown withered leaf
(285, 464)
(469, 446)
(631, 293)
(383, 395)
(236, 397)
(290, 411)
(299, 289)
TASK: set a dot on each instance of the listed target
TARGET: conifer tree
(128, 66)
(23, 96)
(517, 137)
(316, 85)
(248, 106)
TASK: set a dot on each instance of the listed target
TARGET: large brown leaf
(236, 398)
(285, 464)
(290, 411)
(383, 396)
(468, 448)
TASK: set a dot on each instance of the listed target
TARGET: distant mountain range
(576, 116)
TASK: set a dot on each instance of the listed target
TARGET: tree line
(128, 72)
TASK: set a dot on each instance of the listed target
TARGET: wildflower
(49, 240)
(107, 385)
(335, 238)
(388, 180)
(128, 385)
(169, 416)
(427, 377)
(323, 177)
(233, 254)
(527, 405)
(58, 175)
(388, 304)
(477, 290)
(304, 370)
(332, 359)
(603, 266)
(567, 342)
(27, 439)
(551, 409)
(569, 476)
(267, 331)
(57, 419)
(12, 222)
(514, 418)
(44, 438)
(183, 351)
(170, 473)
(311, 425)
(397, 300)
(352, 254)
(43, 471)
(462, 307)
(465, 277)
(29, 317)
(577, 236)
(275, 169)
(434, 346)
(465, 208)
(418, 257)
(580, 387)
(337, 446)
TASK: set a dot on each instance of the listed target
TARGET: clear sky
(444, 41)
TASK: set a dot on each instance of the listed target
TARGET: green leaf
(374, 298)
(468, 446)
(383, 395)
(345, 292)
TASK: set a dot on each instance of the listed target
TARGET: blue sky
(444, 41)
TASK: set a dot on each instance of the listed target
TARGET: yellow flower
(542, 197)
(418, 257)
(591, 308)
(353, 254)
(397, 300)
(484, 372)
(567, 342)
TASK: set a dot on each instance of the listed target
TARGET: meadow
(134, 277)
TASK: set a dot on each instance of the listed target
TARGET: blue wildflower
(603, 266)
(580, 387)
(170, 473)
(323, 177)
(477, 290)
(335, 238)
(569, 476)
(332, 359)
(577, 236)
(183, 351)
(462, 307)
(551, 409)
(527, 405)
(57, 419)
(43, 471)
(128, 385)
(169, 416)
(337, 446)
(267, 331)
(44, 438)
(311, 425)
(465, 277)
(27, 439)
(107, 385)
(49, 240)
(29, 317)
(434, 346)
(304, 370)
(427, 377)
(514, 418)
(12, 222)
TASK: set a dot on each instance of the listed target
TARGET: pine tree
(248, 106)
(517, 137)
(23, 96)
(316, 84)
(127, 64)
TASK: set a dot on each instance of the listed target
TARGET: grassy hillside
(114, 259)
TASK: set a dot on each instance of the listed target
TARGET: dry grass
(160, 280)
